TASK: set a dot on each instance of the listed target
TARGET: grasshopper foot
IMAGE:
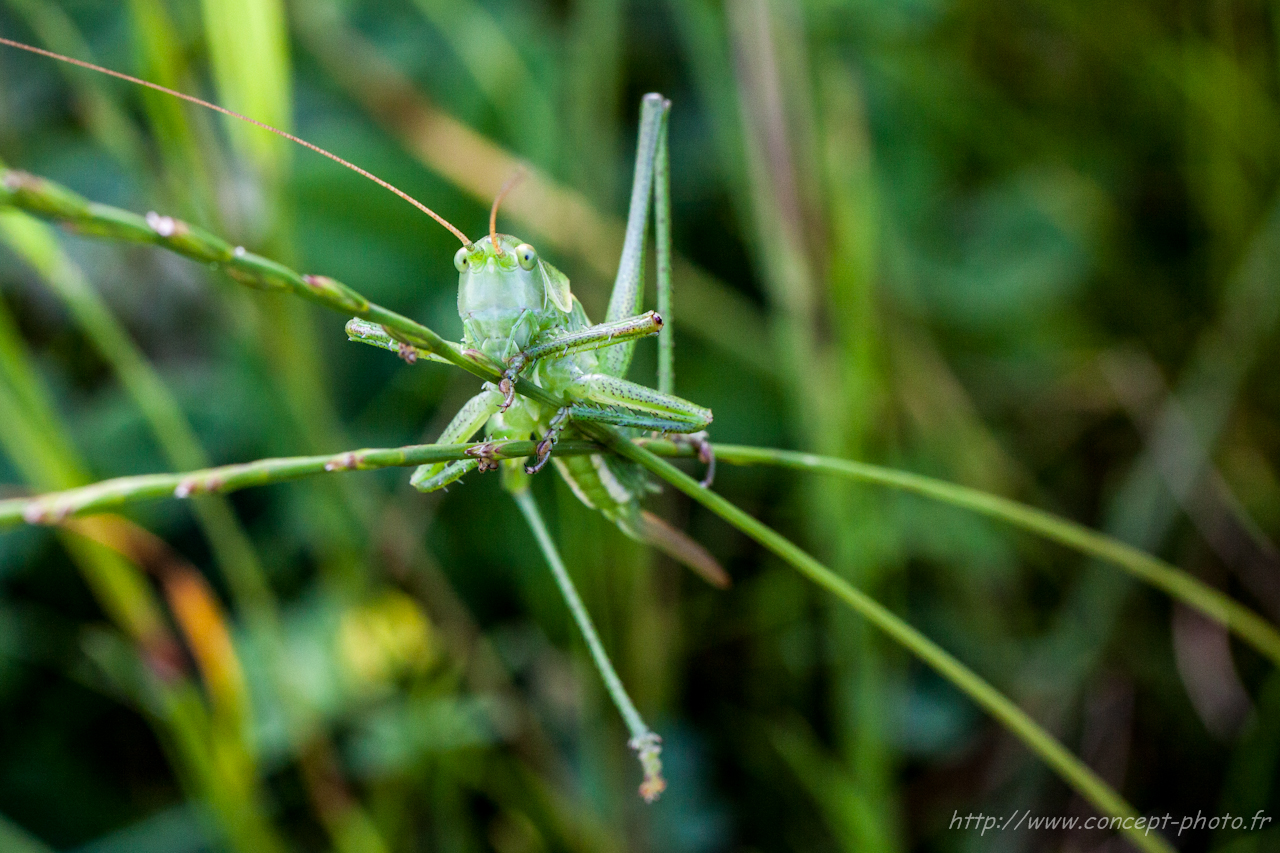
(543, 451)
(508, 383)
(542, 454)
(701, 442)
(484, 454)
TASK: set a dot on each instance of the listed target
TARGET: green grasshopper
(517, 310)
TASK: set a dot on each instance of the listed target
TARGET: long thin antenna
(289, 136)
(493, 211)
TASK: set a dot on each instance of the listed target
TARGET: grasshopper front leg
(561, 344)
(469, 420)
(543, 451)
(593, 337)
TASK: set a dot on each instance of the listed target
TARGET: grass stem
(643, 740)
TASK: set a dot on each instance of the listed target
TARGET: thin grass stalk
(249, 52)
(188, 164)
(1039, 741)
(1179, 585)
(1178, 453)
(642, 740)
(52, 201)
(56, 507)
(32, 401)
(773, 76)
(871, 545)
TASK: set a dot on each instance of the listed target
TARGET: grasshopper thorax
(507, 297)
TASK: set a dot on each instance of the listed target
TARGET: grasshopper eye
(526, 255)
(462, 259)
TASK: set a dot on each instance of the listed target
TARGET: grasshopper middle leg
(558, 422)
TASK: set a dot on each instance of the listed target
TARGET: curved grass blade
(1240, 620)
(1070, 769)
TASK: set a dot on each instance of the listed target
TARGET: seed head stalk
(56, 507)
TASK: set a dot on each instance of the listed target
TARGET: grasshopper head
(502, 272)
(506, 293)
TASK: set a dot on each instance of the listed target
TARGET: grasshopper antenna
(289, 136)
(493, 211)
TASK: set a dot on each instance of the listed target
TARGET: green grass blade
(46, 458)
(1240, 620)
(1069, 768)
(249, 50)
(188, 166)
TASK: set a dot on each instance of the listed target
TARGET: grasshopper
(518, 311)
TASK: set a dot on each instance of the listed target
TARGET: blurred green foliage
(1031, 248)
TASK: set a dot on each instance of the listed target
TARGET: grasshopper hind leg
(609, 399)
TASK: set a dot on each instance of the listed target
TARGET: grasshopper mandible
(517, 310)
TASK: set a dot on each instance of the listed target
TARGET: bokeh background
(1029, 247)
